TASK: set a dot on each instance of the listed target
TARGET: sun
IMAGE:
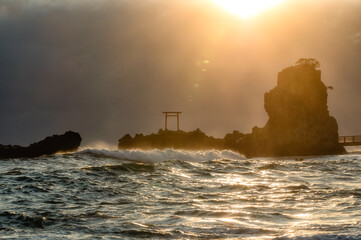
(247, 8)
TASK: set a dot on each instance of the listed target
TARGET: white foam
(98, 145)
(353, 149)
(156, 155)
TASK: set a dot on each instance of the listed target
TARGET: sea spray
(156, 155)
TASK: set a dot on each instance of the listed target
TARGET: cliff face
(299, 122)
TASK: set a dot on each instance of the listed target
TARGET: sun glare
(246, 8)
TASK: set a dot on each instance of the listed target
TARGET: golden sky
(106, 68)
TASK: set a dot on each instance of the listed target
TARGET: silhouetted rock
(232, 140)
(194, 140)
(68, 142)
(299, 122)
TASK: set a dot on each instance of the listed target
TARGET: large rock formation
(299, 121)
(68, 142)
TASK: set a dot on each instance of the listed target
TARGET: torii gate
(172, 114)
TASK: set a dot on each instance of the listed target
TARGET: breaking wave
(156, 155)
(179, 194)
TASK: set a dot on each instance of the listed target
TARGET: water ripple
(173, 194)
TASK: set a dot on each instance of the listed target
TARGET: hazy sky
(107, 68)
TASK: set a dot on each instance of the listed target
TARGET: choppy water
(99, 194)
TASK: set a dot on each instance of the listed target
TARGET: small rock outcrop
(299, 121)
(194, 140)
(68, 142)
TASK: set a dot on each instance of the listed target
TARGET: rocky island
(193, 140)
(67, 142)
(299, 122)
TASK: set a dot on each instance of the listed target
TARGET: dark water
(98, 194)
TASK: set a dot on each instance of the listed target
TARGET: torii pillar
(171, 114)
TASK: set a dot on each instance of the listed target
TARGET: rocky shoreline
(67, 142)
(299, 122)
(193, 140)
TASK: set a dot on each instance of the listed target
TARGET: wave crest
(157, 155)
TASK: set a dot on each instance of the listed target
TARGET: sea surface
(175, 194)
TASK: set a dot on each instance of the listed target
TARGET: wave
(13, 218)
(125, 167)
(156, 155)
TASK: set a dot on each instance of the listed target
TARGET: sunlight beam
(247, 8)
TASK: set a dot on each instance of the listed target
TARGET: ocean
(177, 194)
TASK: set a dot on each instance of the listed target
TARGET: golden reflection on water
(262, 197)
(274, 199)
(303, 215)
(235, 180)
